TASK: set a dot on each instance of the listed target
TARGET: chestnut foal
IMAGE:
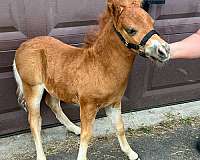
(93, 77)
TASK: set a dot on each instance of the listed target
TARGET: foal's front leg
(114, 113)
(87, 115)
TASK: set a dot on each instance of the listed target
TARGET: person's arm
(188, 48)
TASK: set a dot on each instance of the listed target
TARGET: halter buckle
(141, 51)
(141, 48)
(126, 43)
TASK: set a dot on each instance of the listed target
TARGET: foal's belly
(72, 97)
(62, 93)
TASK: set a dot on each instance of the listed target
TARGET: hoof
(77, 131)
(133, 156)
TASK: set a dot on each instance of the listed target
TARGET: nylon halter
(137, 47)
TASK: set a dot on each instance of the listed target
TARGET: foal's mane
(94, 33)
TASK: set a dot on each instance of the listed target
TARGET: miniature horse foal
(94, 77)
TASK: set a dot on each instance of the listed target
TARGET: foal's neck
(108, 45)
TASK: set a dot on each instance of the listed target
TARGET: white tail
(19, 92)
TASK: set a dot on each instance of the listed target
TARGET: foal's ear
(114, 8)
(138, 3)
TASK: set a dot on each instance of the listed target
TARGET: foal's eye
(131, 31)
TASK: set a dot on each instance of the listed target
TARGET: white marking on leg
(68, 124)
(115, 115)
(82, 152)
(38, 143)
(54, 104)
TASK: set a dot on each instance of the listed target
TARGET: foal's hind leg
(33, 95)
(114, 113)
(54, 104)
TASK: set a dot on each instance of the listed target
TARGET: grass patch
(186, 121)
(172, 122)
(146, 130)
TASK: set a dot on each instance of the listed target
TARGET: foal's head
(135, 27)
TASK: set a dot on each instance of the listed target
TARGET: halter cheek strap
(137, 47)
(128, 45)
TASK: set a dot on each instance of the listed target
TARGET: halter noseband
(137, 47)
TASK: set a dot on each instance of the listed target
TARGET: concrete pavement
(167, 133)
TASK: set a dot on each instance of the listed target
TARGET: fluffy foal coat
(93, 77)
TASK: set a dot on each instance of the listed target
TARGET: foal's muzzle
(158, 51)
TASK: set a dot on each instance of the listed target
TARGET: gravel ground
(177, 145)
(169, 140)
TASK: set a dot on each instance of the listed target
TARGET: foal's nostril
(162, 54)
